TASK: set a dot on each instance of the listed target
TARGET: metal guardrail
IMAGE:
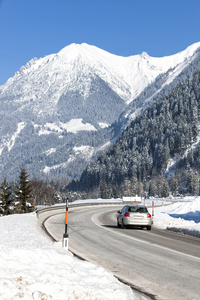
(42, 210)
(72, 204)
(57, 207)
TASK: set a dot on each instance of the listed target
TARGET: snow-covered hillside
(68, 100)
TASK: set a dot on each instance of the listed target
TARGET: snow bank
(179, 217)
(32, 267)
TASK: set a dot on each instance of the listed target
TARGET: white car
(134, 215)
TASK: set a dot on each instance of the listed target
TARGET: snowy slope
(68, 100)
(73, 67)
(32, 267)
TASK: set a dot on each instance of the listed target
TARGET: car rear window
(137, 209)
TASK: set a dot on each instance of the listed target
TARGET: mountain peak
(80, 82)
(144, 55)
(75, 49)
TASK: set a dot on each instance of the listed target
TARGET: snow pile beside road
(33, 267)
(179, 217)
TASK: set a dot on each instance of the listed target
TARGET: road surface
(162, 264)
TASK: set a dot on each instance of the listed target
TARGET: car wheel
(149, 227)
(123, 226)
(118, 225)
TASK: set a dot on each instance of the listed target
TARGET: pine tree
(23, 190)
(5, 192)
(153, 190)
(165, 188)
(195, 183)
(104, 190)
(140, 189)
(174, 183)
(126, 187)
(134, 186)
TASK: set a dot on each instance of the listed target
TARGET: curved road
(162, 264)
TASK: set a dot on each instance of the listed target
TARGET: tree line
(25, 194)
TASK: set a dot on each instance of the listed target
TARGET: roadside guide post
(65, 235)
(152, 208)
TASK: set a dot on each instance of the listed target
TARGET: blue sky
(37, 28)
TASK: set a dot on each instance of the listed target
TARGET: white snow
(186, 60)
(33, 267)
(50, 151)
(76, 125)
(180, 217)
(103, 146)
(103, 125)
(72, 69)
(61, 165)
(50, 128)
(86, 151)
(73, 126)
(8, 141)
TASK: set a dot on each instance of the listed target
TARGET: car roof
(134, 205)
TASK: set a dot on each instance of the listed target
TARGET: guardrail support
(65, 235)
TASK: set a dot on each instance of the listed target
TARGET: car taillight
(127, 215)
(148, 216)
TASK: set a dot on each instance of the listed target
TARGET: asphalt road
(162, 264)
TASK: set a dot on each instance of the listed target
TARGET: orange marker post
(65, 235)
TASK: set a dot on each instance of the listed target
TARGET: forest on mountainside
(137, 163)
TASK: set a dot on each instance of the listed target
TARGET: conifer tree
(104, 189)
(174, 181)
(5, 192)
(23, 190)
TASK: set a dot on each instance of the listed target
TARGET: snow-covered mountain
(57, 111)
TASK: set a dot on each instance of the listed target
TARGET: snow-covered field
(33, 267)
